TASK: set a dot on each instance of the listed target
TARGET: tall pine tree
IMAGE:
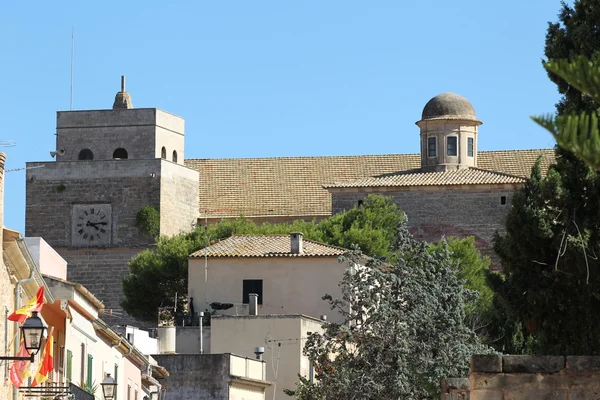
(550, 284)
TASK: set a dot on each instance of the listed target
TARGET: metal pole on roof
(206, 259)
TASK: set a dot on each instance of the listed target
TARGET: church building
(110, 163)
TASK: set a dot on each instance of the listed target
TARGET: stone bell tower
(109, 164)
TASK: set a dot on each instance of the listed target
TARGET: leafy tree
(148, 220)
(472, 269)
(551, 273)
(371, 226)
(403, 331)
(155, 276)
(548, 292)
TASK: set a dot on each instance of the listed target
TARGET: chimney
(259, 351)
(296, 240)
(253, 304)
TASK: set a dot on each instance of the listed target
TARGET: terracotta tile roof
(293, 186)
(266, 246)
(469, 176)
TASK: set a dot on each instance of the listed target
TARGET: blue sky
(274, 78)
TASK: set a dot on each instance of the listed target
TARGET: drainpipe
(17, 306)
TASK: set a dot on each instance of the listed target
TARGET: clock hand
(92, 224)
(98, 223)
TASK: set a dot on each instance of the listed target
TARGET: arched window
(163, 153)
(86, 154)
(120, 154)
(174, 156)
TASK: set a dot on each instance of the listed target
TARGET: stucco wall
(282, 336)
(433, 213)
(188, 339)
(290, 285)
(47, 259)
(195, 376)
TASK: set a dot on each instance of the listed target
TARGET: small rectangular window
(470, 147)
(503, 200)
(452, 149)
(360, 203)
(252, 286)
(431, 147)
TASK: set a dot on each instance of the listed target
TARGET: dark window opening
(174, 156)
(120, 154)
(252, 286)
(163, 153)
(452, 146)
(470, 147)
(431, 147)
(503, 200)
(86, 154)
(360, 203)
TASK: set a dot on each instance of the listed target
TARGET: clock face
(91, 224)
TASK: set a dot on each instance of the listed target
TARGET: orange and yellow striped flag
(35, 304)
(47, 363)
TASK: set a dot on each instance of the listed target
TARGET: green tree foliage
(548, 293)
(577, 132)
(403, 332)
(156, 275)
(148, 220)
(570, 45)
(551, 273)
(371, 226)
(472, 269)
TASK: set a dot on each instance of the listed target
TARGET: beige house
(282, 338)
(289, 274)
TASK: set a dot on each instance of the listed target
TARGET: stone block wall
(101, 271)
(433, 213)
(178, 198)
(52, 189)
(497, 377)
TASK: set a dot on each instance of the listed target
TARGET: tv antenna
(72, 66)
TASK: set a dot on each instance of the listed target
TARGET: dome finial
(122, 99)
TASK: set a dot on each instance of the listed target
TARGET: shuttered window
(69, 366)
(90, 371)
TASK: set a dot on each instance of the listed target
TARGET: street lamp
(32, 331)
(108, 387)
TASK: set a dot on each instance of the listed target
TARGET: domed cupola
(448, 133)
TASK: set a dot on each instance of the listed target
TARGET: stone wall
(433, 213)
(496, 377)
(178, 198)
(101, 271)
(140, 131)
(52, 190)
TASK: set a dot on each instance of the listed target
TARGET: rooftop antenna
(72, 64)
